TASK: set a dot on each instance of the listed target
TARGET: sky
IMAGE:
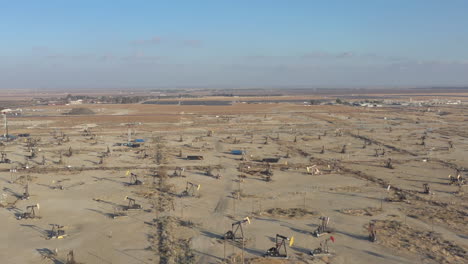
(233, 43)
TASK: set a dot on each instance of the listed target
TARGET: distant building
(11, 112)
(77, 102)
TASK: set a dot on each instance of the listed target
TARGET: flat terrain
(81, 179)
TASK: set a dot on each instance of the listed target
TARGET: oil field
(240, 183)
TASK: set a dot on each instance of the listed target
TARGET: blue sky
(242, 43)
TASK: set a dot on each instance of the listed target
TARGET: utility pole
(225, 247)
(6, 126)
(239, 191)
(129, 134)
(305, 193)
(243, 248)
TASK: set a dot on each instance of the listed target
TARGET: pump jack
(4, 158)
(190, 189)
(131, 204)
(280, 242)
(268, 172)
(323, 227)
(313, 170)
(343, 150)
(427, 189)
(236, 226)
(26, 192)
(323, 249)
(57, 232)
(388, 164)
(178, 172)
(30, 212)
(134, 179)
(456, 181)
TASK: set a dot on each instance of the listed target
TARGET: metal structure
(388, 164)
(3, 158)
(323, 227)
(209, 171)
(268, 172)
(313, 170)
(154, 175)
(178, 172)
(56, 185)
(57, 232)
(372, 232)
(235, 228)
(30, 213)
(343, 149)
(60, 161)
(280, 249)
(134, 179)
(129, 134)
(427, 189)
(71, 258)
(459, 180)
(191, 189)
(245, 157)
(6, 126)
(131, 204)
(70, 152)
(323, 249)
(118, 212)
(32, 153)
(25, 195)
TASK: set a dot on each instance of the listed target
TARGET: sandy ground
(82, 195)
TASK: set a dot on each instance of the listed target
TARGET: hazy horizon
(242, 44)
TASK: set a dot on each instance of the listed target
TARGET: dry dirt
(84, 190)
